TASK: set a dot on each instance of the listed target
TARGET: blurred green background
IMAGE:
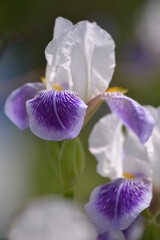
(26, 27)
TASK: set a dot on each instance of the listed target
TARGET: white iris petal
(80, 58)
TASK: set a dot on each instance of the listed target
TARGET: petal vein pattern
(55, 110)
(56, 115)
(115, 205)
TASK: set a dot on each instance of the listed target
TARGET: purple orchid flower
(80, 65)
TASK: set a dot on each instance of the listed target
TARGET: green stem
(156, 208)
(69, 194)
(93, 106)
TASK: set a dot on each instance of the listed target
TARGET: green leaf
(68, 160)
(93, 106)
(157, 219)
(152, 232)
(71, 163)
(54, 151)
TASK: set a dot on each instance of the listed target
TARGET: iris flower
(80, 65)
(132, 167)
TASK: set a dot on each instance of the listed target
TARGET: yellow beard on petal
(117, 89)
(57, 87)
(43, 79)
(128, 175)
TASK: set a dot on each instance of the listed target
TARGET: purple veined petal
(56, 115)
(115, 205)
(132, 114)
(111, 236)
(15, 106)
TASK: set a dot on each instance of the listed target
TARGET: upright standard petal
(15, 106)
(53, 70)
(115, 205)
(84, 60)
(133, 147)
(105, 137)
(137, 168)
(133, 115)
(136, 159)
(62, 25)
(56, 115)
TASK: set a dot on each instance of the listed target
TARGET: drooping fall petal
(15, 106)
(132, 114)
(56, 115)
(115, 205)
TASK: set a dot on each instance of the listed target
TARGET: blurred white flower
(52, 218)
(147, 27)
(15, 173)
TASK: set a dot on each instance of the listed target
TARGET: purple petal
(15, 106)
(56, 115)
(115, 205)
(132, 114)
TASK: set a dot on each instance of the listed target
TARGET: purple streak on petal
(104, 236)
(15, 106)
(56, 115)
(115, 205)
(132, 114)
